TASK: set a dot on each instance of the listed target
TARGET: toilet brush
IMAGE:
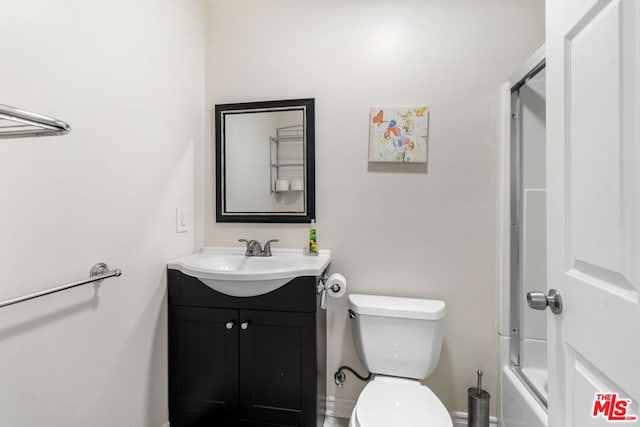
(478, 400)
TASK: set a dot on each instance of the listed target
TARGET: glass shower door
(528, 241)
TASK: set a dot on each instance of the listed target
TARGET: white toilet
(399, 340)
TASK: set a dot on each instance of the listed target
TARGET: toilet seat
(398, 402)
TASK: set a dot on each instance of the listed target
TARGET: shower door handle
(539, 301)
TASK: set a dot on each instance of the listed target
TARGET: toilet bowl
(399, 340)
(390, 402)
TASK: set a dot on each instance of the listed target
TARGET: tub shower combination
(522, 331)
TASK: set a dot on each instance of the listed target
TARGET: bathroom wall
(129, 78)
(417, 231)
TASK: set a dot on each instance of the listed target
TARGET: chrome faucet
(254, 248)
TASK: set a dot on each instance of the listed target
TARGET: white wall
(400, 230)
(129, 77)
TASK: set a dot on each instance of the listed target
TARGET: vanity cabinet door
(278, 367)
(203, 362)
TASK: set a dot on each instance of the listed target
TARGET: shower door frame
(536, 64)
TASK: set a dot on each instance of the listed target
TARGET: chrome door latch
(539, 301)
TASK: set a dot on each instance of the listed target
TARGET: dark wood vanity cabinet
(250, 361)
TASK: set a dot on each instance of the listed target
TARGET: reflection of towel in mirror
(282, 185)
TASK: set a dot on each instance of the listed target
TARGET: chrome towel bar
(17, 123)
(98, 272)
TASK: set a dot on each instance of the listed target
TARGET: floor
(336, 422)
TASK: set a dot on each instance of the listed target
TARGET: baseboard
(342, 408)
(339, 408)
(461, 419)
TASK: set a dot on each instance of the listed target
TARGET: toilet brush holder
(478, 400)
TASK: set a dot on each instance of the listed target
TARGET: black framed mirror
(265, 161)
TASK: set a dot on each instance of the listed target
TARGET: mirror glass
(265, 161)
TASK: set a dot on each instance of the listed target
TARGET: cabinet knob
(229, 325)
(244, 325)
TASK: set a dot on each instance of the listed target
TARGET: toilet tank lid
(409, 308)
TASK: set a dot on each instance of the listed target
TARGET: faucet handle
(248, 243)
(266, 251)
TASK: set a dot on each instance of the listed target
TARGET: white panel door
(593, 204)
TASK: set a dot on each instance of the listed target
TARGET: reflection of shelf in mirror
(286, 150)
(290, 131)
(287, 139)
(285, 165)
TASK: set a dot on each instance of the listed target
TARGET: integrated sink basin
(229, 271)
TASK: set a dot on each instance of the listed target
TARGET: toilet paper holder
(323, 287)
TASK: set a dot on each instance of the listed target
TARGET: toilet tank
(397, 336)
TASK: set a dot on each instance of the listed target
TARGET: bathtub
(518, 406)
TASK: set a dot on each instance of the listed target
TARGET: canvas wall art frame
(399, 134)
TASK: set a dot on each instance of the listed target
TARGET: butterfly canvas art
(398, 135)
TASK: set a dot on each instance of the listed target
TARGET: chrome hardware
(97, 273)
(339, 378)
(16, 123)
(539, 301)
(256, 249)
(230, 324)
(479, 373)
(333, 288)
(352, 314)
(266, 251)
(244, 325)
(248, 248)
(253, 247)
(101, 268)
(322, 289)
